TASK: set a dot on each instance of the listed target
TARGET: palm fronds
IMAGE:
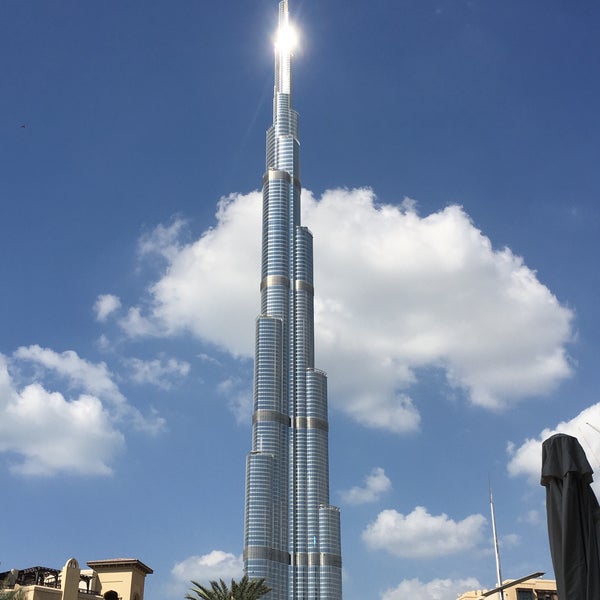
(244, 589)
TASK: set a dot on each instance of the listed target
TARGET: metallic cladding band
(270, 280)
(310, 423)
(264, 553)
(273, 174)
(303, 286)
(271, 415)
(323, 559)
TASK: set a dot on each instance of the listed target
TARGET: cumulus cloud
(376, 483)
(421, 535)
(209, 567)
(94, 378)
(44, 433)
(438, 589)
(105, 305)
(91, 378)
(527, 458)
(159, 372)
(62, 413)
(209, 284)
(395, 292)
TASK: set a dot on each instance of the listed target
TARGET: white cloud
(103, 343)
(209, 567)
(73, 430)
(47, 434)
(421, 535)
(135, 324)
(209, 359)
(443, 297)
(395, 292)
(158, 372)
(510, 539)
(208, 287)
(239, 398)
(163, 240)
(438, 589)
(376, 483)
(105, 305)
(532, 517)
(527, 458)
(94, 379)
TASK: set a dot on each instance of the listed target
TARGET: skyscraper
(291, 534)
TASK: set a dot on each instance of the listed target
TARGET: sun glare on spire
(287, 38)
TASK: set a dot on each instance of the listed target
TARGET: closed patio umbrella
(573, 518)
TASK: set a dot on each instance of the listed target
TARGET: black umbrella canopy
(573, 518)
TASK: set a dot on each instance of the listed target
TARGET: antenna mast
(496, 550)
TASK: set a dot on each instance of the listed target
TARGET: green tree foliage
(6, 594)
(244, 589)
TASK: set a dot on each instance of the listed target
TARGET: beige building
(531, 589)
(114, 579)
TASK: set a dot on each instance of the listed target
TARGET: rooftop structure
(112, 579)
(517, 589)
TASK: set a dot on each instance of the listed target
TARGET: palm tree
(248, 589)
(245, 589)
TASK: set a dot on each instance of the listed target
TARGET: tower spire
(285, 43)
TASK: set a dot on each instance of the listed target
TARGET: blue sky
(449, 164)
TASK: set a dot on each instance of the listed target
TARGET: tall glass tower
(291, 534)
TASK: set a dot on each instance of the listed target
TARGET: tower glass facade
(291, 533)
